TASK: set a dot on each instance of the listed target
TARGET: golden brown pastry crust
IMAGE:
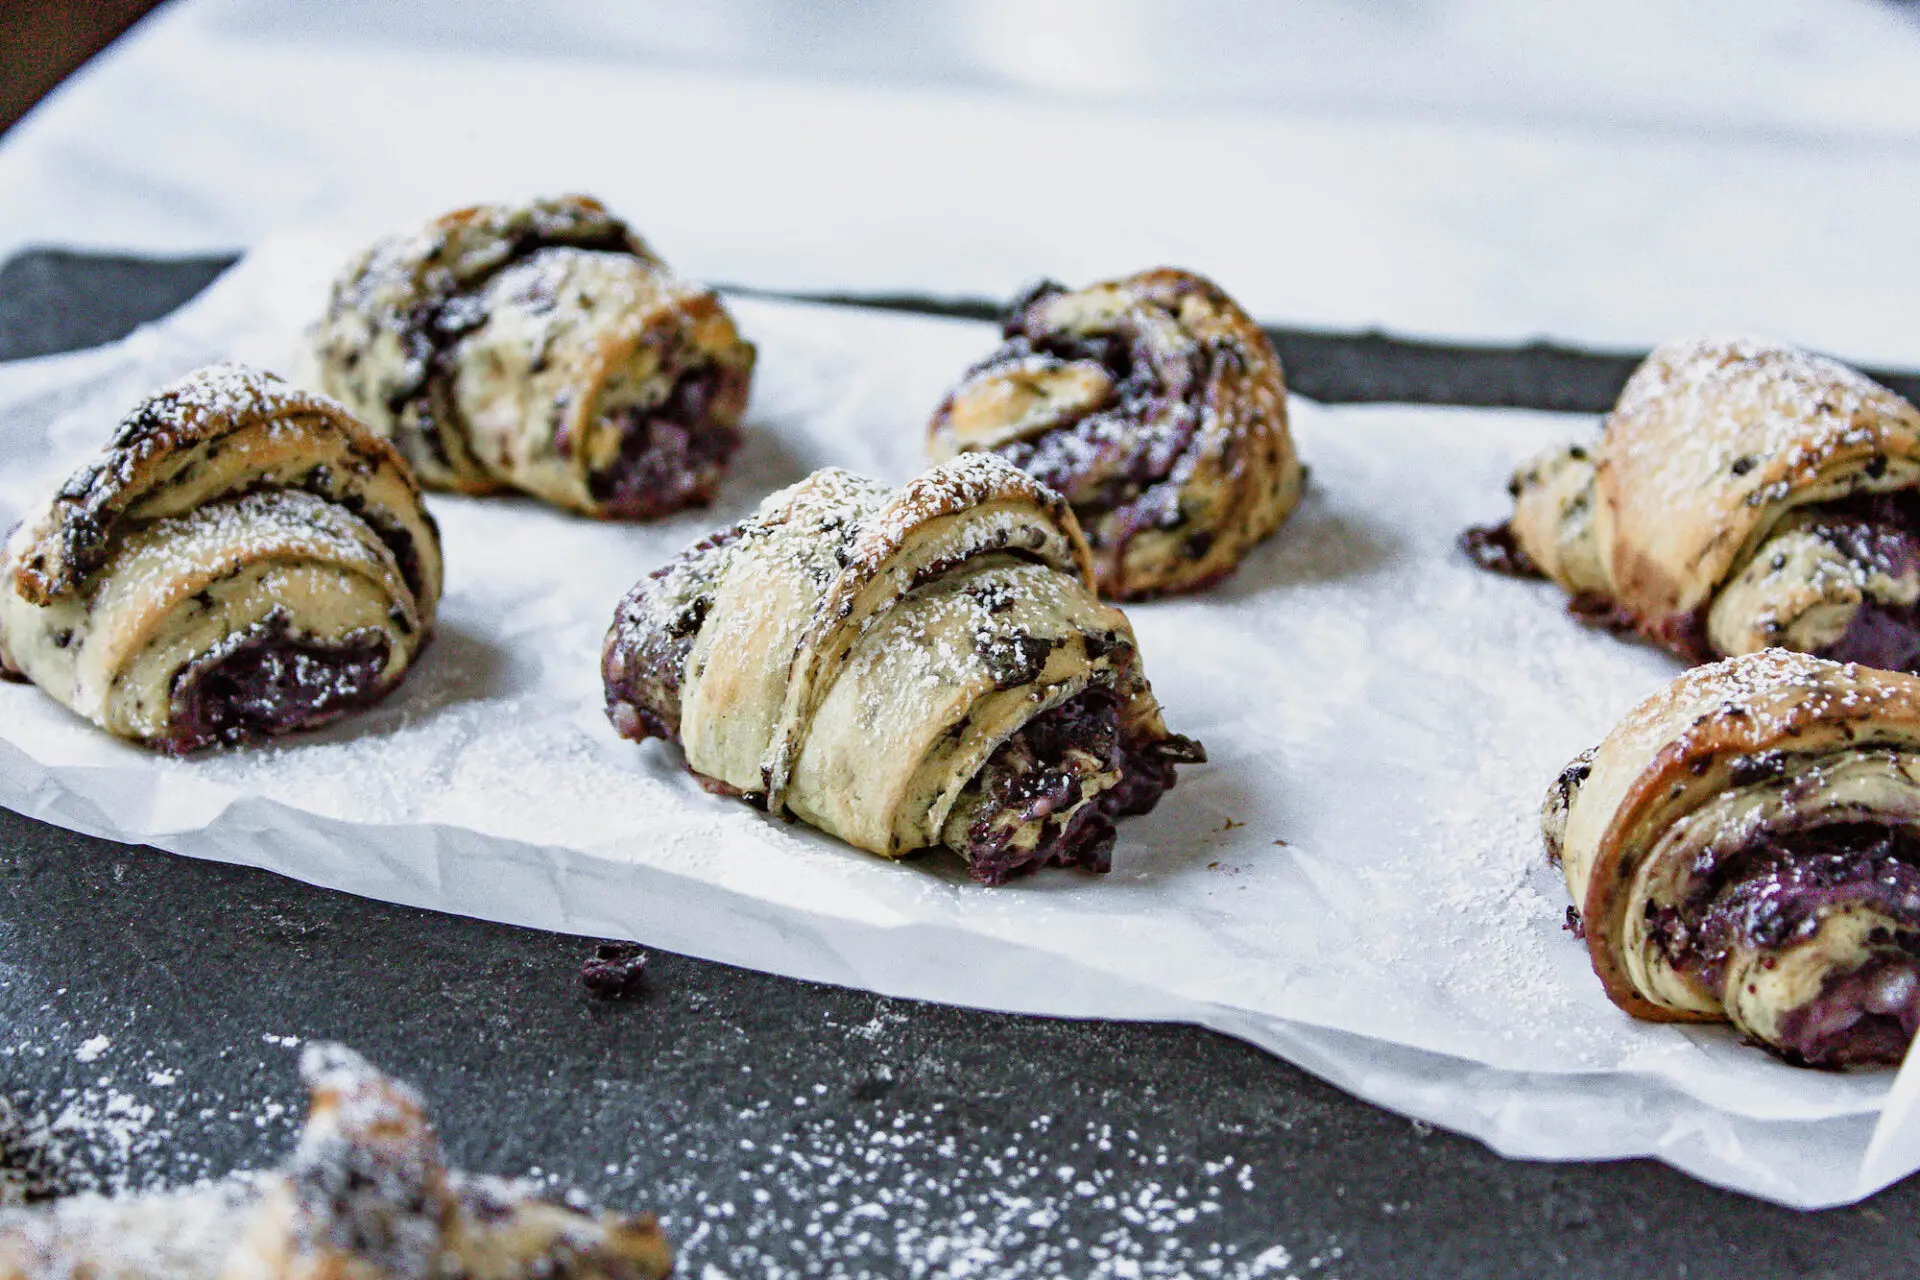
(541, 347)
(1713, 443)
(1744, 754)
(855, 655)
(1157, 406)
(234, 529)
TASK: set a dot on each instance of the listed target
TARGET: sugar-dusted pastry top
(1745, 845)
(540, 347)
(366, 1195)
(1742, 495)
(241, 560)
(1156, 406)
(904, 668)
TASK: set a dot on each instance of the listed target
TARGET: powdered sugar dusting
(216, 394)
(883, 1187)
(1778, 412)
(1759, 698)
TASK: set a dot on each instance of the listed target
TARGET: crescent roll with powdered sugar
(541, 347)
(1742, 495)
(1156, 406)
(903, 668)
(1745, 846)
(243, 559)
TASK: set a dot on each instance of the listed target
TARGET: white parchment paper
(1354, 881)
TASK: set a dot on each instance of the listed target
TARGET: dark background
(150, 1008)
(41, 41)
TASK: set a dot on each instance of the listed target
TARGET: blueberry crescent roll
(1743, 495)
(539, 347)
(903, 668)
(1745, 845)
(1156, 406)
(242, 560)
(365, 1196)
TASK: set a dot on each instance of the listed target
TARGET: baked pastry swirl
(242, 560)
(1745, 845)
(903, 669)
(365, 1196)
(1156, 406)
(540, 347)
(1742, 495)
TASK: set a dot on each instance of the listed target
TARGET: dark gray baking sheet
(780, 1127)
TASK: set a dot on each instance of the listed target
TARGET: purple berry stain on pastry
(1774, 894)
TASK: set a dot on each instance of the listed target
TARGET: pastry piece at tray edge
(366, 1192)
(1744, 846)
(1742, 495)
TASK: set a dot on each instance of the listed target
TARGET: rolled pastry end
(1746, 846)
(1049, 795)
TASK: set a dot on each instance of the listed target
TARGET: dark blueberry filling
(1041, 772)
(646, 658)
(1880, 636)
(1494, 548)
(1114, 464)
(1880, 532)
(1859, 1018)
(1773, 894)
(671, 456)
(268, 681)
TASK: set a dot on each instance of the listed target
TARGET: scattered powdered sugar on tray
(118, 1130)
(1355, 877)
(886, 1187)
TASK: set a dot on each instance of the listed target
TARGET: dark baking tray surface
(783, 1127)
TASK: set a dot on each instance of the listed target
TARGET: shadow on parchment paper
(768, 460)
(1316, 545)
(456, 668)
